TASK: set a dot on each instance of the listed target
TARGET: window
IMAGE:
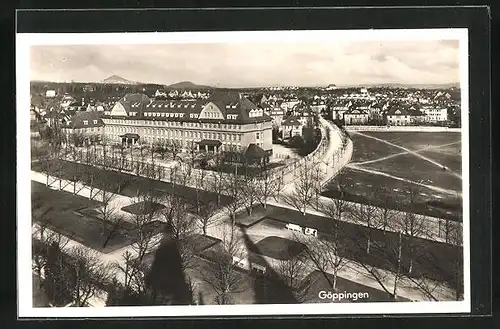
(85, 122)
(95, 122)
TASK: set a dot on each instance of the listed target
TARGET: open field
(72, 216)
(366, 149)
(386, 166)
(126, 184)
(364, 187)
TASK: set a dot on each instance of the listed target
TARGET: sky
(254, 64)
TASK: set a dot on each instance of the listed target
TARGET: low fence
(403, 128)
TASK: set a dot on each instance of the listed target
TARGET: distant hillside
(115, 79)
(418, 86)
(187, 85)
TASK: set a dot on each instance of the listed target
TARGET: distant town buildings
(50, 93)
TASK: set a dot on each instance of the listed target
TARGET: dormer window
(176, 115)
(85, 122)
(95, 122)
(229, 116)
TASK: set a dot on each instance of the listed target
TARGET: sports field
(423, 166)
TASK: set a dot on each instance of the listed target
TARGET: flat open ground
(72, 216)
(391, 164)
(127, 184)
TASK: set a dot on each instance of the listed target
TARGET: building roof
(355, 111)
(291, 121)
(227, 103)
(210, 142)
(255, 152)
(130, 135)
(77, 120)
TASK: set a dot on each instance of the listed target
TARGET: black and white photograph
(243, 173)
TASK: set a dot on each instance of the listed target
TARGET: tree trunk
(398, 269)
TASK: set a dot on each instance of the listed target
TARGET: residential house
(403, 115)
(291, 127)
(88, 125)
(435, 114)
(356, 116)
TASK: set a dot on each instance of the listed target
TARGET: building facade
(88, 125)
(223, 123)
(291, 127)
(435, 114)
(356, 117)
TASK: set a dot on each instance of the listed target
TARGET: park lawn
(201, 242)
(319, 283)
(366, 149)
(363, 187)
(417, 140)
(70, 215)
(130, 185)
(278, 248)
(415, 169)
(258, 213)
(143, 208)
(432, 259)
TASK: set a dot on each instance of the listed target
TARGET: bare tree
(327, 255)
(174, 148)
(233, 184)
(221, 274)
(89, 275)
(250, 189)
(268, 184)
(205, 215)
(386, 214)
(365, 215)
(293, 272)
(307, 177)
(111, 221)
(43, 237)
(217, 183)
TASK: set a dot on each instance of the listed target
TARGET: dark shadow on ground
(166, 276)
(268, 287)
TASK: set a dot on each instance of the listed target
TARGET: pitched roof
(255, 152)
(291, 121)
(355, 110)
(77, 120)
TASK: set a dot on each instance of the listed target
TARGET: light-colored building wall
(230, 135)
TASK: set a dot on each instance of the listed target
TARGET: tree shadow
(269, 287)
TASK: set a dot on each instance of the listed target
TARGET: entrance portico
(129, 139)
(209, 145)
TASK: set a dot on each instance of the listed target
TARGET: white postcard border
(25, 40)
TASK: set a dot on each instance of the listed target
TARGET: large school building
(222, 123)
